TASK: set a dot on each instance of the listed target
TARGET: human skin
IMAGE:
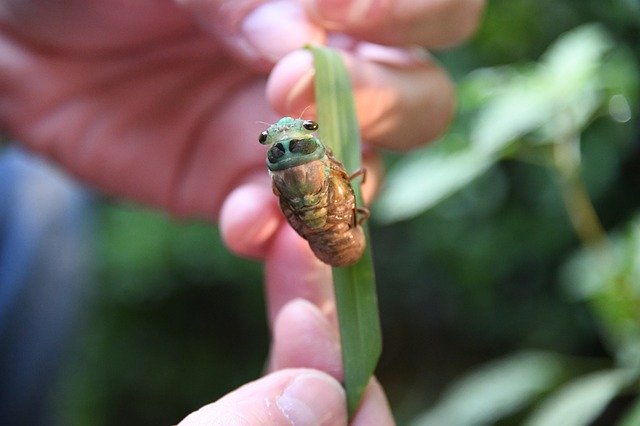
(159, 101)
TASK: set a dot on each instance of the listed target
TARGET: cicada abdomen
(315, 191)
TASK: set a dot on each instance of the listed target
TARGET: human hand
(293, 395)
(158, 100)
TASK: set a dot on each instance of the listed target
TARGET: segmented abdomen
(328, 220)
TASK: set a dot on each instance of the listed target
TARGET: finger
(293, 272)
(401, 102)
(374, 408)
(56, 25)
(304, 338)
(259, 32)
(431, 23)
(220, 154)
(306, 397)
(250, 217)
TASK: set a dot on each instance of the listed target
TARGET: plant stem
(585, 221)
(583, 216)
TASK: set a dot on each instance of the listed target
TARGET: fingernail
(313, 399)
(277, 28)
(335, 13)
(290, 86)
(296, 99)
(402, 57)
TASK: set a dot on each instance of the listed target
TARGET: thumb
(286, 397)
(259, 32)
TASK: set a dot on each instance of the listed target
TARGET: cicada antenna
(303, 111)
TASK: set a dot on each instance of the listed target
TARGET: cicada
(315, 191)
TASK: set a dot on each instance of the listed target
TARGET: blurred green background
(503, 301)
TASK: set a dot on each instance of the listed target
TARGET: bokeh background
(503, 299)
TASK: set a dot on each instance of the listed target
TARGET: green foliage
(176, 323)
(632, 417)
(514, 111)
(496, 390)
(608, 277)
(581, 401)
(147, 256)
(537, 113)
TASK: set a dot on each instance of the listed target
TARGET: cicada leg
(360, 172)
(362, 212)
(364, 215)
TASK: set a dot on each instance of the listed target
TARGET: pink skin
(158, 101)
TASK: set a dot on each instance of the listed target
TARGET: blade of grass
(354, 286)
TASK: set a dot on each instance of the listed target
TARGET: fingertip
(292, 396)
(401, 107)
(275, 28)
(338, 15)
(258, 32)
(314, 398)
(374, 408)
(439, 105)
(249, 218)
(403, 100)
(432, 23)
(290, 88)
(303, 337)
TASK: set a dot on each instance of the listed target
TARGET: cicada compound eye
(263, 137)
(310, 125)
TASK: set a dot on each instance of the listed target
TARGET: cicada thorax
(315, 191)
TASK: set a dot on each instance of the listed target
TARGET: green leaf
(427, 177)
(632, 416)
(593, 270)
(608, 276)
(496, 390)
(581, 401)
(354, 286)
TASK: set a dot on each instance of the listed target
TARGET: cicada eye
(275, 152)
(310, 125)
(263, 137)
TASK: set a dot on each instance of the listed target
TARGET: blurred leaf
(354, 286)
(135, 253)
(609, 277)
(581, 401)
(146, 255)
(496, 390)
(508, 107)
(632, 416)
(426, 178)
(592, 269)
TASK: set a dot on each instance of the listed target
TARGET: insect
(315, 191)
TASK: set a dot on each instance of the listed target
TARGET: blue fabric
(45, 274)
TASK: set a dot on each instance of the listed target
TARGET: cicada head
(292, 143)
